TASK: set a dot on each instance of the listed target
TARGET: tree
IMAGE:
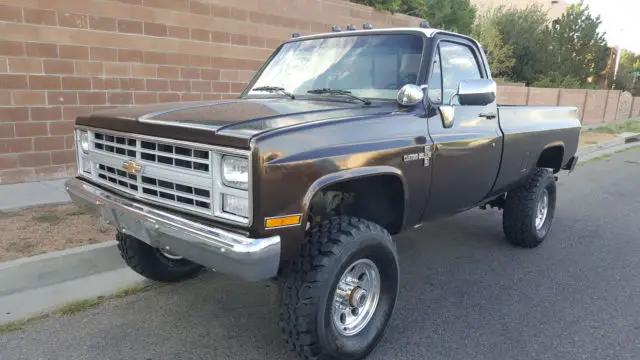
(524, 34)
(389, 5)
(500, 55)
(578, 49)
(629, 66)
(453, 15)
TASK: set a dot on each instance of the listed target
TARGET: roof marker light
(367, 26)
(425, 24)
(295, 35)
(350, 27)
(336, 28)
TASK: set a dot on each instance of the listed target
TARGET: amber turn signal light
(282, 221)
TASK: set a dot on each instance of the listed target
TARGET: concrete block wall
(635, 108)
(512, 95)
(543, 97)
(595, 106)
(64, 58)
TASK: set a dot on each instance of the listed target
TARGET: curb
(47, 299)
(57, 267)
(37, 284)
(601, 147)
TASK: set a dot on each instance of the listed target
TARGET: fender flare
(352, 174)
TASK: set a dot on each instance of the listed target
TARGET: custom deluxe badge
(424, 156)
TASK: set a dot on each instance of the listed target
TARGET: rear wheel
(153, 263)
(340, 294)
(529, 210)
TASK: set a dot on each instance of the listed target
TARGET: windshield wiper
(275, 89)
(339, 92)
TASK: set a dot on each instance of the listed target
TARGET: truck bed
(530, 130)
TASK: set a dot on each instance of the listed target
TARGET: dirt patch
(589, 138)
(49, 228)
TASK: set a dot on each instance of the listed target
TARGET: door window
(458, 63)
(434, 89)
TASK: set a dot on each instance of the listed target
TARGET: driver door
(467, 154)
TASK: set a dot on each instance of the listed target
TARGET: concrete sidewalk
(24, 195)
(38, 284)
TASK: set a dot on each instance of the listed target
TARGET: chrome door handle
(488, 115)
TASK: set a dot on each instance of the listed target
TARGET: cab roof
(428, 32)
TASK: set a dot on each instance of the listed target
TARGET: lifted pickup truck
(340, 141)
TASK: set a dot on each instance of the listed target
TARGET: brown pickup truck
(340, 141)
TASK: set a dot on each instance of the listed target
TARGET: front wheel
(529, 210)
(341, 292)
(153, 263)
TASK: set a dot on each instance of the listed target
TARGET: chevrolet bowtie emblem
(132, 167)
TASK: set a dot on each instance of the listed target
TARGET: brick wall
(63, 58)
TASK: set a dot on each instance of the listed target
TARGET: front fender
(352, 174)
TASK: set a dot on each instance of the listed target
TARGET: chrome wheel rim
(356, 297)
(542, 209)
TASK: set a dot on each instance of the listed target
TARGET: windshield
(373, 66)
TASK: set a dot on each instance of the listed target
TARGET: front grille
(173, 174)
(179, 194)
(117, 177)
(115, 144)
(172, 155)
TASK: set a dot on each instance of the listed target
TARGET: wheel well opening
(551, 158)
(378, 198)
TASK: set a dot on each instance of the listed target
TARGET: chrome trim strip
(228, 252)
(215, 171)
(166, 140)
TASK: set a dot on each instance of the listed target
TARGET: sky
(620, 21)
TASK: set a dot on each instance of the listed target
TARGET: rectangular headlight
(235, 205)
(82, 150)
(83, 141)
(235, 172)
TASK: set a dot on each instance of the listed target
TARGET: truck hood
(225, 123)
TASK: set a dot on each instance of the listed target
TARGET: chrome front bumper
(224, 251)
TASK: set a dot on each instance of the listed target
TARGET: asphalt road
(465, 294)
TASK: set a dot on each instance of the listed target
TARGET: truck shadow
(457, 276)
(239, 320)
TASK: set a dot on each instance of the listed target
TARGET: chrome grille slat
(113, 176)
(177, 175)
(175, 192)
(126, 147)
(180, 157)
(174, 155)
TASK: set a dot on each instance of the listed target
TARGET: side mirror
(410, 94)
(478, 92)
